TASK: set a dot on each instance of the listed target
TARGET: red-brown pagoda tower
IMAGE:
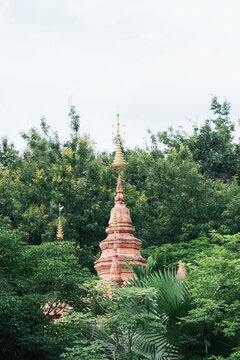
(120, 243)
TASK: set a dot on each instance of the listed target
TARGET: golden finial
(60, 234)
(118, 161)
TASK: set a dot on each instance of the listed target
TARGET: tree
(35, 280)
(211, 145)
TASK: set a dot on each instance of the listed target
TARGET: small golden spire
(60, 234)
(115, 223)
(119, 161)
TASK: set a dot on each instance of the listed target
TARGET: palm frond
(138, 273)
(153, 345)
(172, 301)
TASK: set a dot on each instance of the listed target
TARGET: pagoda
(120, 243)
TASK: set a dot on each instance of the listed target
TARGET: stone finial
(181, 273)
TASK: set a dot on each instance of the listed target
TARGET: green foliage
(30, 278)
(177, 203)
(211, 144)
(115, 331)
(211, 323)
(75, 123)
(215, 287)
(86, 350)
(49, 173)
(168, 255)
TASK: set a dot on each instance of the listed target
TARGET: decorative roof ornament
(118, 161)
(60, 234)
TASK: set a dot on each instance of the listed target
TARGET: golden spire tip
(119, 161)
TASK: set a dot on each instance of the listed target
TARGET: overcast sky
(156, 62)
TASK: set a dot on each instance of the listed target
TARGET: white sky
(157, 62)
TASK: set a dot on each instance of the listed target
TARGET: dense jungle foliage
(184, 195)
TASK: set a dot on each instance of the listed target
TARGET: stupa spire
(120, 244)
(60, 234)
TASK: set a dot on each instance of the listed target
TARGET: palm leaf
(172, 302)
